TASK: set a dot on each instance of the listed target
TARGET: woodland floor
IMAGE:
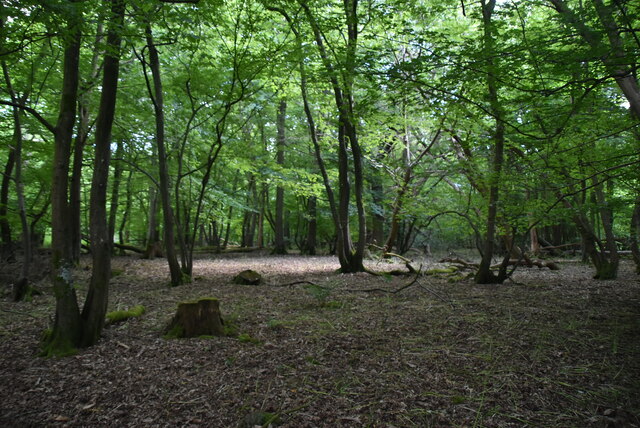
(547, 349)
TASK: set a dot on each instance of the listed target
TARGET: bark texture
(194, 319)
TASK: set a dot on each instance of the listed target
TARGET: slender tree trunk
(5, 227)
(115, 191)
(165, 197)
(263, 203)
(95, 306)
(227, 233)
(484, 274)
(126, 211)
(377, 212)
(610, 262)
(397, 207)
(634, 234)
(82, 135)
(350, 257)
(312, 226)
(21, 286)
(280, 246)
(67, 329)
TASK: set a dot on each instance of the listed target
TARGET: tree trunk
(484, 274)
(95, 307)
(312, 226)
(616, 61)
(165, 197)
(21, 286)
(280, 246)
(125, 212)
(67, 329)
(152, 237)
(5, 227)
(82, 134)
(115, 191)
(634, 234)
(609, 267)
(377, 210)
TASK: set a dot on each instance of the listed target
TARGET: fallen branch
(386, 255)
(382, 290)
(291, 284)
(447, 301)
(128, 247)
(539, 263)
(558, 247)
(459, 261)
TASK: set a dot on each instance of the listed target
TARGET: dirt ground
(546, 349)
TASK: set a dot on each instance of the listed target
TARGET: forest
(396, 213)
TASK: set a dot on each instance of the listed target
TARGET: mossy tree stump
(194, 319)
(248, 277)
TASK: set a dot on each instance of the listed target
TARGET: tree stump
(194, 319)
(248, 277)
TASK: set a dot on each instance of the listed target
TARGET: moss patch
(120, 316)
(175, 332)
(55, 346)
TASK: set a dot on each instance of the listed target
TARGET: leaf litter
(550, 348)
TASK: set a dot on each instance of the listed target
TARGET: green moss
(263, 419)
(247, 338)
(206, 299)
(230, 327)
(458, 399)
(54, 346)
(441, 271)
(119, 316)
(276, 324)
(116, 272)
(176, 332)
(332, 304)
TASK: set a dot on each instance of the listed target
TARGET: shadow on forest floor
(551, 348)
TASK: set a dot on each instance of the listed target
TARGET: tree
(280, 244)
(72, 328)
(157, 97)
(484, 274)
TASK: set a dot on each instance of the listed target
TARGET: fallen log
(128, 247)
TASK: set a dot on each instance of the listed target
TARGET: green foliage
(419, 81)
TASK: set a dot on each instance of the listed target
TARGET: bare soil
(547, 349)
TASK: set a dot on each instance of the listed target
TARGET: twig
(448, 301)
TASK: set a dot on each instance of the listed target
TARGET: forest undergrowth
(545, 349)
